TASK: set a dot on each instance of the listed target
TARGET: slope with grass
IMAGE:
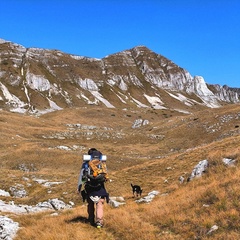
(154, 156)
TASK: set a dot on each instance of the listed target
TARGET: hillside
(154, 155)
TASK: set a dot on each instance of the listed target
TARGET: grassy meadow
(154, 156)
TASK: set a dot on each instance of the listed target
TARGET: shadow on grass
(78, 219)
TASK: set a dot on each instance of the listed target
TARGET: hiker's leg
(99, 211)
(90, 210)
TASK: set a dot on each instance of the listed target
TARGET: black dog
(136, 189)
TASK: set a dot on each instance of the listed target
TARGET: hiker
(93, 176)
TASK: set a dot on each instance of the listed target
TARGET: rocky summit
(38, 81)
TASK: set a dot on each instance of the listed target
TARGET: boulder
(148, 198)
(4, 193)
(199, 169)
(116, 201)
(8, 228)
(229, 162)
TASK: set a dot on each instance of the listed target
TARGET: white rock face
(199, 86)
(201, 90)
(37, 82)
(225, 95)
(88, 84)
(11, 100)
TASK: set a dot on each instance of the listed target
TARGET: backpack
(95, 168)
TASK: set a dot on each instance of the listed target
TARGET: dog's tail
(131, 185)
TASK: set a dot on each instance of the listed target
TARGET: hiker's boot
(99, 225)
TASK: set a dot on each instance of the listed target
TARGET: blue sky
(202, 36)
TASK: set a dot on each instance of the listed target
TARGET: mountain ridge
(35, 80)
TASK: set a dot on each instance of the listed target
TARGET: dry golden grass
(68, 225)
(180, 211)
